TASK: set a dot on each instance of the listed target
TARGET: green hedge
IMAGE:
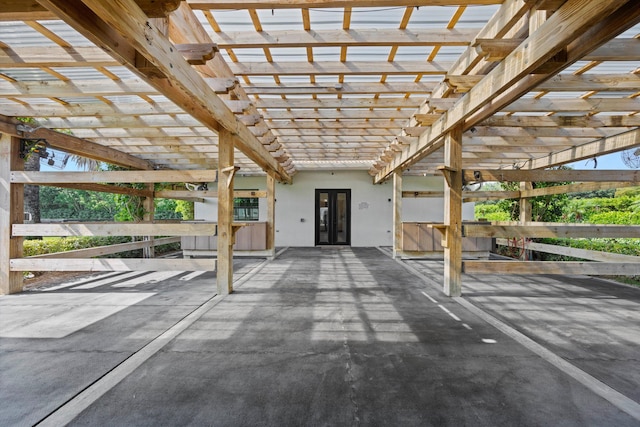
(617, 246)
(63, 244)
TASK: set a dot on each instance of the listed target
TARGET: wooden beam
(560, 175)
(72, 145)
(590, 255)
(102, 188)
(552, 267)
(296, 4)
(399, 102)
(11, 212)
(590, 150)
(550, 229)
(123, 29)
(587, 105)
(385, 113)
(417, 194)
(334, 89)
(339, 38)
(109, 249)
(591, 82)
(575, 188)
(75, 88)
(226, 168)
(180, 194)
(478, 196)
(116, 229)
(112, 264)
(562, 121)
(37, 178)
(331, 68)
(512, 76)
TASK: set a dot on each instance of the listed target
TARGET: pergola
(195, 90)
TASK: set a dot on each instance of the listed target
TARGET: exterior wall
(428, 209)
(371, 206)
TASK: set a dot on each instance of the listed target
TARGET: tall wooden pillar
(526, 213)
(525, 204)
(271, 216)
(11, 212)
(226, 172)
(397, 214)
(453, 213)
(149, 209)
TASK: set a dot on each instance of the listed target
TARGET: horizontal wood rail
(49, 178)
(574, 252)
(109, 249)
(549, 229)
(112, 264)
(115, 229)
(551, 267)
(546, 175)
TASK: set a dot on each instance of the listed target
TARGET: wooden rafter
(118, 27)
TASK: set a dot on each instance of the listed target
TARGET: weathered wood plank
(113, 176)
(590, 255)
(109, 249)
(112, 264)
(552, 267)
(550, 229)
(72, 144)
(517, 175)
(350, 37)
(115, 229)
(295, 4)
(346, 68)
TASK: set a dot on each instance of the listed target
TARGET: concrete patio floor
(338, 337)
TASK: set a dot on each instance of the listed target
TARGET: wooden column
(271, 216)
(149, 209)
(11, 212)
(397, 213)
(453, 213)
(226, 172)
(525, 204)
(525, 213)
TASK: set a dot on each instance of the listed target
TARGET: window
(246, 209)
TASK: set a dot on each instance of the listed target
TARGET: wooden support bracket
(230, 171)
(444, 230)
(447, 171)
(221, 85)
(426, 119)
(197, 53)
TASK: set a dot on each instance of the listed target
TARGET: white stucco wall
(371, 205)
(428, 209)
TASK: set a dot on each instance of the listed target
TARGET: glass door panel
(333, 221)
(322, 227)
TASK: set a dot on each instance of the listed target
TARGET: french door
(333, 217)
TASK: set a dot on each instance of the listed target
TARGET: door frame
(331, 212)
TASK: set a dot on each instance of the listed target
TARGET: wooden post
(149, 208)
(11, 212)
(225, 212)
(271, 216)
(525, 204)
(453, 213)
(525, 213)
(397, 213)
